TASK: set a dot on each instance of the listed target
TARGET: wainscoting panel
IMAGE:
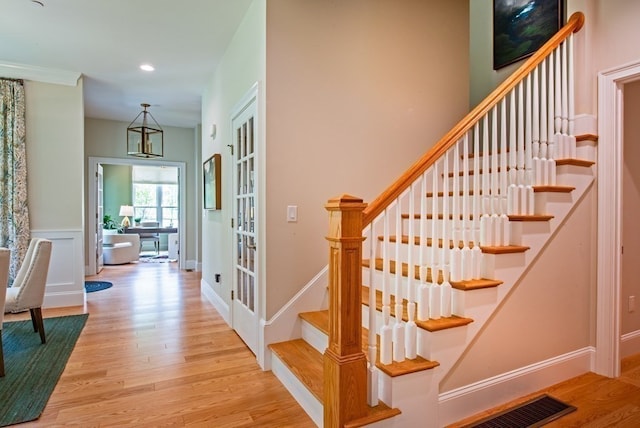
(65, 280)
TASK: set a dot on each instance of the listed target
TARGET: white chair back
(5, 259)
(31, 278)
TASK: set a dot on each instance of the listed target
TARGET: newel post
(345, 365)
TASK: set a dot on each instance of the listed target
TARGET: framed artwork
(211, 174)
(521, 27)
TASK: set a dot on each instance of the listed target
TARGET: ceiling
(107, 40)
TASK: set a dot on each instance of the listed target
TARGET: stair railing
(460, 197)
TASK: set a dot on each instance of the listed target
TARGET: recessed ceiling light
(147, 67)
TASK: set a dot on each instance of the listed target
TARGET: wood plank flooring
(155, 353)
(601, 401)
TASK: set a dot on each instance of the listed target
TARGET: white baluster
(485, 220)
(512, 195)
(476, 252)
(504, 233)
(423, 291)
(465, 258)
(372, 371)
(522, 201)
(456, 253)
(566, 152)
(550, 179)
(558, 106)
(495, 184)
(538, 180)
(410, 327)
(434, 289)
(398, 326)
(571, 101)
(386, 334)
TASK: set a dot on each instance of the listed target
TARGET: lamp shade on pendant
(145, 138)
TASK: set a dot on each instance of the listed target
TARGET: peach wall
(356, 92)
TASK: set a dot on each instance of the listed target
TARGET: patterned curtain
(14, 215)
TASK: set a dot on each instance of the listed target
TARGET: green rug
(33, 369)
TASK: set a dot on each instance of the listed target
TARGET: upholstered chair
(27, 290)
(5, 255)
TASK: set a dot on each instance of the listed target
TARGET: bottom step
(306, 363)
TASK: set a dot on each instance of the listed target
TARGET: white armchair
(27, 290)
(5, 256)
(120, 248)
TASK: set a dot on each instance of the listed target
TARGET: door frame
(253, 95)
(91, 211)
(610, 154)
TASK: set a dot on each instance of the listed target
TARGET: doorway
(611, 86)
(245, 291)
(94, 225)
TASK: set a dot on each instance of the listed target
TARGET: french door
(245, 294)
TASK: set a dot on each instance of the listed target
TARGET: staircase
(443, 248)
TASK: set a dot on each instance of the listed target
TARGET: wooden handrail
(374, 209)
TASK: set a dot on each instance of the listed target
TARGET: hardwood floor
(600, 401)
(155, 353)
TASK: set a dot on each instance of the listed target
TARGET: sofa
(118, 249)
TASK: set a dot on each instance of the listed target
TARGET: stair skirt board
(469, 400)
(303, 396)
(533, 413)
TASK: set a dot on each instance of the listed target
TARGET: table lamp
(126, 210)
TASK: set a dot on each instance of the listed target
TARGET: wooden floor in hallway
(155, 353)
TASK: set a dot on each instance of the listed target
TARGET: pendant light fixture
(145, 139)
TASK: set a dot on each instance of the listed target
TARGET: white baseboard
(630, 344)
(468, 400)
(221, 306)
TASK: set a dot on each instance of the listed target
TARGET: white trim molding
(476, 397)
(65, 279)
(39, 74)
(610, 149)
(218, 303)
(630, 344)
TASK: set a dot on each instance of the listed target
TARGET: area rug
(156, 259)
(33, 369)
(91, 286)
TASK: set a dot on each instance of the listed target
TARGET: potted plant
(109, 224)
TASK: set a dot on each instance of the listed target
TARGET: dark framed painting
(211, 174)
(521, 27)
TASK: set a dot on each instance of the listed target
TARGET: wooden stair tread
(374, 414)
(307, 364)
(535, 217)
(473, 284)
(507, 249)
(536, 189)
(575, 162)
(320, 320)
(553, 189)
(587, 137)
(304, 361)
(512, 217)
(429, 325)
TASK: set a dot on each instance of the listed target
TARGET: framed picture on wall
(521, 27)
(211, 174)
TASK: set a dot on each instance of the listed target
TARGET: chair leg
(36, 318)
(1, 356)
(33, 320)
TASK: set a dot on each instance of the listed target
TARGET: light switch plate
(292, 213)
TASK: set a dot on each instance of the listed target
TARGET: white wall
(55, 128)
